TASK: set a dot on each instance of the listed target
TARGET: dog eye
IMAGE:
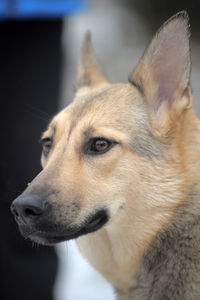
(99, 146)
(46, 146)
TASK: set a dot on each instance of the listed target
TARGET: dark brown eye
(99, 146)
(46, 146)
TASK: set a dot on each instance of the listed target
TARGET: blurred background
(39, 49)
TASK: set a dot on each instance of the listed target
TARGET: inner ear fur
(89, 72)
(163, 72)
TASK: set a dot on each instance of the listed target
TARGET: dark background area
(30, 60)
(156, 11)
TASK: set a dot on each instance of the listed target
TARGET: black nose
(29, 208)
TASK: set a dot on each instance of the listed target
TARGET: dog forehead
(108, 94)
(119, 103)
(118, 106)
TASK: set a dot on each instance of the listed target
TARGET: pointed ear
(89, 73)
(163, 73)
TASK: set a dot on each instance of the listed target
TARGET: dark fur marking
(75, 205)
(170, 269)
(146, 145)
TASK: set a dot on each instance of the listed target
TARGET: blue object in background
(12, 9)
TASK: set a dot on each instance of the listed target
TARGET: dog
(121, 173)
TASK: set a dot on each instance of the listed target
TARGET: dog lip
(94, 223)
(47, 238)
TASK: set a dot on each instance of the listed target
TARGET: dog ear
(89, 73)
(163, 73)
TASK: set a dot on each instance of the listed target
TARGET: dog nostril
(16, 213)
(29, 207)
(32, 212)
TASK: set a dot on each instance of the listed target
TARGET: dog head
(114, 148)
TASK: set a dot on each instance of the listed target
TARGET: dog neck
(171, 264)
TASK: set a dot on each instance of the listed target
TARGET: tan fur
(144, 179)
(117, 249)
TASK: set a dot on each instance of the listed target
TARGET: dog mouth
(92, 224)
